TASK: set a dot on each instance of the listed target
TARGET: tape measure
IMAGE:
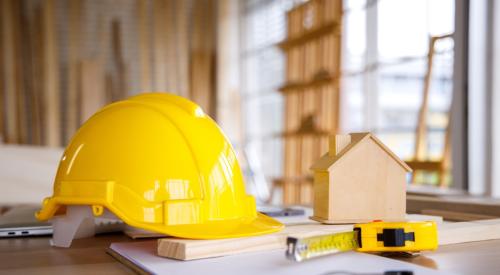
(367, 237)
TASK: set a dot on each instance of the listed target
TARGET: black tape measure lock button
(395, 237)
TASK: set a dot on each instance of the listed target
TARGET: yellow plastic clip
(97, 210)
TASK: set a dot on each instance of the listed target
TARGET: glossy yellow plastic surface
(159, 163)
(425, 236)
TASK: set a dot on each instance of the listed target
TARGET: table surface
(34, 255)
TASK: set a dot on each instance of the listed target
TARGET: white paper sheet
(143, 254)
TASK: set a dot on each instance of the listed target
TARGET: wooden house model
(359, 180)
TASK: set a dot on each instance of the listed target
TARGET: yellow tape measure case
(396, 236)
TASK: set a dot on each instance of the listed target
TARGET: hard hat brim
(260, 225)
(220, 229)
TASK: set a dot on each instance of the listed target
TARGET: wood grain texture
(312, 49)
(456, 216)
(50, 72)
(2, 94)
(464, 204)
(198, 249)
(365, 172)
(9, 47)
(160, 45)
(373, 180)
(22, 77)
(34, 55)
(464, 232)
(119, 79)
(181, 30)
(145, 45)
(202, 56)
(72, 119)
(92, 87)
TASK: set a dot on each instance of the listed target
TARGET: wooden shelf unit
(311, 91)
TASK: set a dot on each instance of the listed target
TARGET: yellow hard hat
(159, 163)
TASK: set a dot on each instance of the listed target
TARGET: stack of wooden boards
(60, 61)
(449, 233)
(311, 91)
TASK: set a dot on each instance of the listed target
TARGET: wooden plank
(198, 249)
(32, 65)
(22, 75)
(119, 79)
(312, 50)
(182, 47)
(464, 204)
(144, 22)
(312, 34)
(202, 84)
(183, 249)
(171, 37)
(456, 216)
(430, 165)
(92, 86)
(465, 232)
(160, 45)
(51, 75)
(2, 93)
(72, 106)
(11, 131)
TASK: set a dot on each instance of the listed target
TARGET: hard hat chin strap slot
(80, 222)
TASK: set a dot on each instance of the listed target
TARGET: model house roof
(328, 159)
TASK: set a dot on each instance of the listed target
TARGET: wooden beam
(198, 249)
(2, 87)
(119, 82)
(171, 44)
(202, 84)
(160, 45)
(145, 23)
(316, 83)
(22, 75)
(425, 165)
(328, 28)
(51, 75)
(37, 76)
(465, 232)
(456, 216)
(92, 86)
(72, 106)
(465, 204)
(30, 26)
(11, 131)
(420, 153)
(182, 47)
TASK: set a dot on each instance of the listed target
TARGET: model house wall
(359, 180)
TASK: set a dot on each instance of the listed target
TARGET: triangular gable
(327, 161)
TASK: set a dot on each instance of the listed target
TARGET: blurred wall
(60, 61)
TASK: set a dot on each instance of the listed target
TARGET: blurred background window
(263, 25)
(385, 58)
(277, 76)
(385, 46)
